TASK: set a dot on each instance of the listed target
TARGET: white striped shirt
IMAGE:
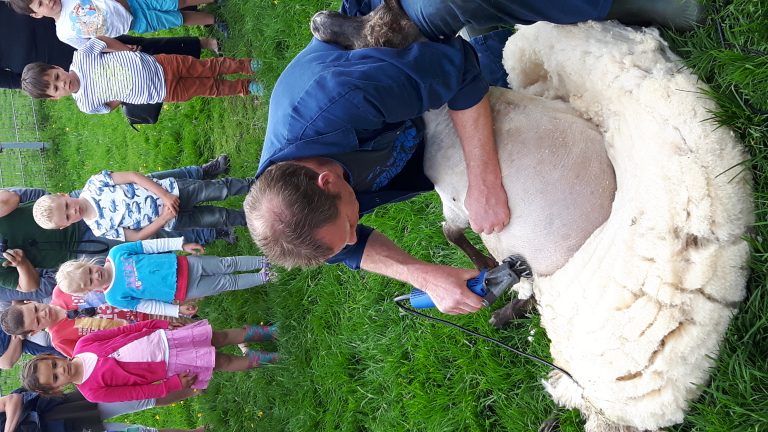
(125, 76)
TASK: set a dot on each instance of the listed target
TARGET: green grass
(352, 362)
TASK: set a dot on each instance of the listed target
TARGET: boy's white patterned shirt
(123, 206)
(81, 20)
(125, 76)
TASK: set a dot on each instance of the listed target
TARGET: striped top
(124, 76)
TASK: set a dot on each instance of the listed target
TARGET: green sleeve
(9, 277)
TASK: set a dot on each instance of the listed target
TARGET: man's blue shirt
(367, 104)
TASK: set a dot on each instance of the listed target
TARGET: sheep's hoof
(550, 425)
(514, 310)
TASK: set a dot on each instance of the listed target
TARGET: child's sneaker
(255, 88)
(223, 28)
(226, 234)
(255, 65)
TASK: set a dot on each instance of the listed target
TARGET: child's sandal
(256, 358)
(259, 333)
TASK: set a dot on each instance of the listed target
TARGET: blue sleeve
(35, 349)
(401, 84)
(27, 194)
(352, 255)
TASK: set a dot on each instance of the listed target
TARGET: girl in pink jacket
(146, 360)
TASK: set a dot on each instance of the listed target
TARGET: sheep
(624, 202)
(637, 312)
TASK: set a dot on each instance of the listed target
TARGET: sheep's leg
(514, 310)
(455, 235)
(552, 424)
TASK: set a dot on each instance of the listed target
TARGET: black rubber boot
(680, 15)
(216, 167)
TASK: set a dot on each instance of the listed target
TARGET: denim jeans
(193, 192)
(438, 19)
(489, 48)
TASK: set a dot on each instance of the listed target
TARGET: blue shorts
(154, 15)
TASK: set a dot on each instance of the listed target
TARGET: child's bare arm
(9, 201)
(150, 230)
(112, 105)
(116, 45)
(125, 177)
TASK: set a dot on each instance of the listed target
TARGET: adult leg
(210, 275)
(189, 46)
(187, 77)
(676, 14)
(440, 19)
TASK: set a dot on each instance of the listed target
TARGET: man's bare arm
(9, 201)
(447, 286)
(12, 354)
(486, 199)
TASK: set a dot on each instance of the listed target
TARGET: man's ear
(35, 15)
(325, 181)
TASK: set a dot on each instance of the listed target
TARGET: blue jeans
(489, 48)
(193, 192)
(439, 19)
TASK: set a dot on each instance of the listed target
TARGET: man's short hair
(30, 380)
(21, 6)
(34, 80)
(67, 276)
(12, 321)
(42, 211)
(284, 210)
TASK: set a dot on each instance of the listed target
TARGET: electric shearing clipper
(489, 284)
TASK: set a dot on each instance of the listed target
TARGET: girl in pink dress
(146, 360)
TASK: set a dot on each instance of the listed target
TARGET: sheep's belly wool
(637, 312)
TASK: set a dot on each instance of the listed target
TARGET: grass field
(352, 363)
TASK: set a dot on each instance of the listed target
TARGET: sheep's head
(386, 27)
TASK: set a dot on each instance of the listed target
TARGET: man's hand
(487, 204)
(486, 199)
(193, 248)
(447, 287)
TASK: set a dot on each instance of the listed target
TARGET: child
(140, 276)
(129, 206)
(99, 81)
(77, 21)
(146, 360)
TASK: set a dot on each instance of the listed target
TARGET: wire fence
(22, 153)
